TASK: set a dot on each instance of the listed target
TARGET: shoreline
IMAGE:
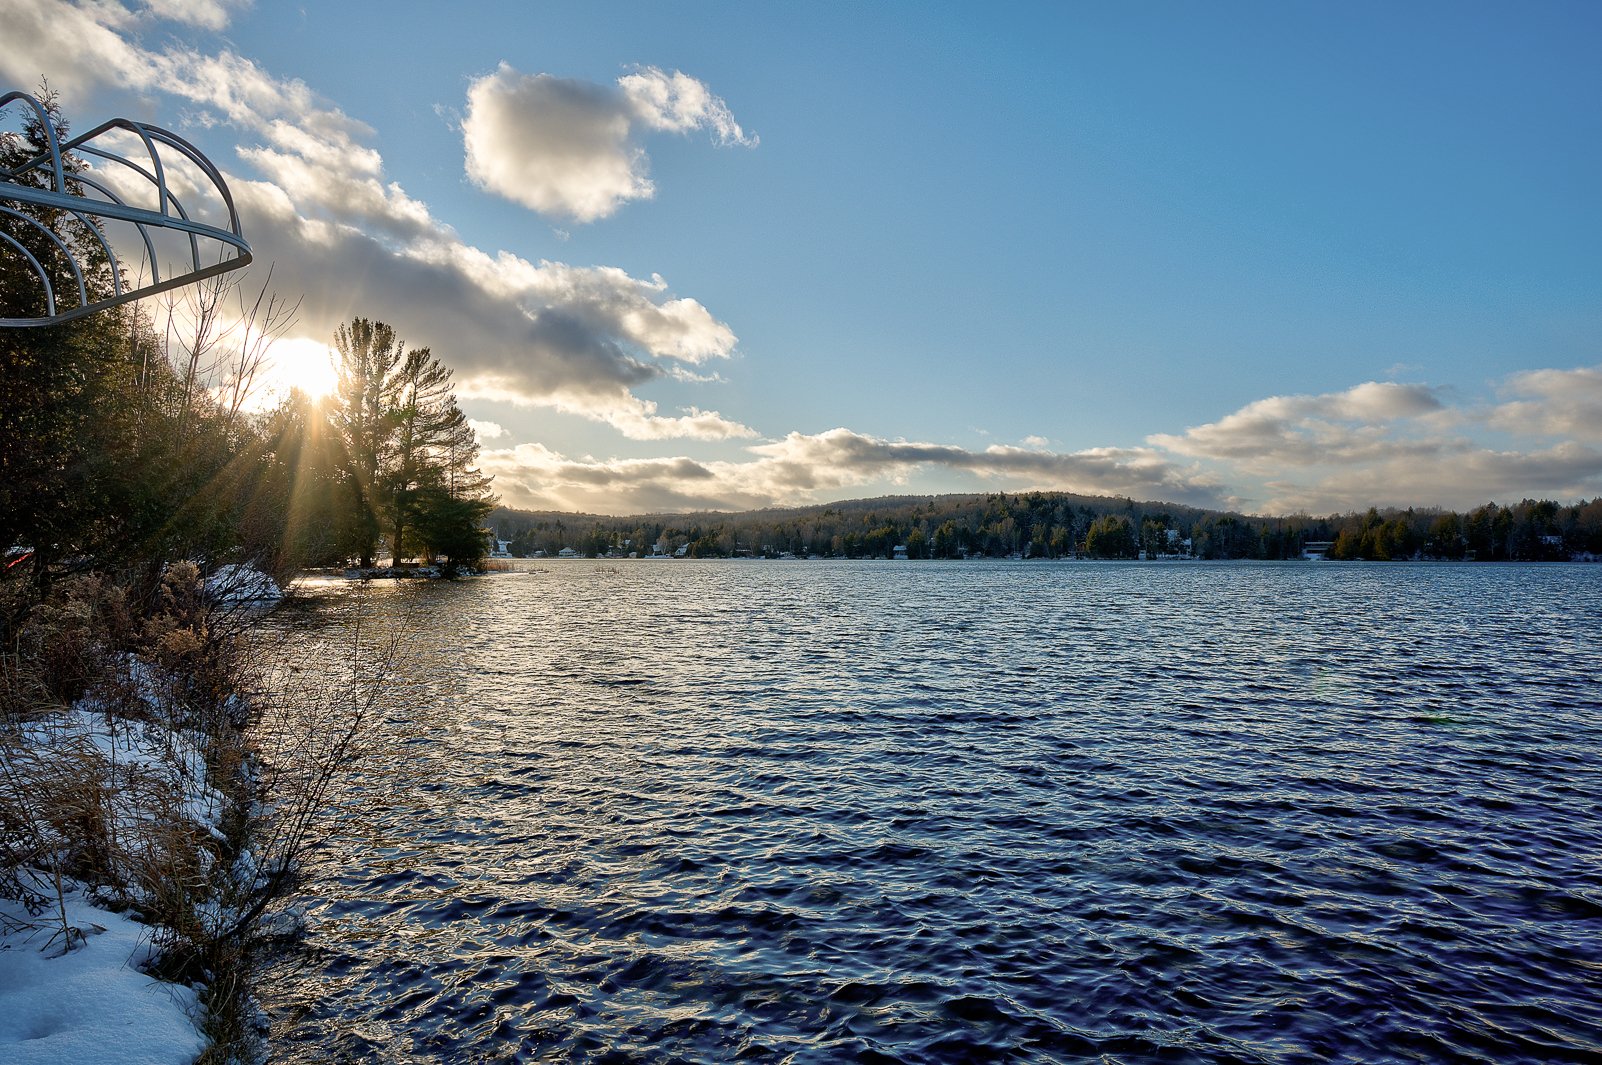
(137, 851)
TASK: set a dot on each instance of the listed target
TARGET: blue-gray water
(921, 812)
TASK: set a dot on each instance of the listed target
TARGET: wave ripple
(971, 812)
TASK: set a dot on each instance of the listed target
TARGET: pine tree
(364, 418)
(408, 451)
(453, 510)
(424, 423)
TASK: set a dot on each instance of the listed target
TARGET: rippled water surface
(928, 812)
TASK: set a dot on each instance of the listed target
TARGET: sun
(303, 363)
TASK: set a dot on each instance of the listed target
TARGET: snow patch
(242, 583)
(91, 1005)
(71, 985)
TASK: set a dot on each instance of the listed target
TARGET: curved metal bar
(39, 271)
(111, 257)
(64, 192)
(155, 269)
(144, 234)
(50, 133)
(61, 246)
(163, 194)
(149, 134)
(206, 166)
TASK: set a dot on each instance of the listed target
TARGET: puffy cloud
(535, 477)
(1271, 433)
(679, 103)
(639, 421)
(568, 148)
(207, 14)
(80, 48)
(1382, 444)
(486, 430)
(74, 47)
(1458, 476)
(1556, 403)
(841, 457)
(536, 334)
(321, 187)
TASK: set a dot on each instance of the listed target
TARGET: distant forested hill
(1062, 525)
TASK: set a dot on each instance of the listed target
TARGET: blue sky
(1260, 255)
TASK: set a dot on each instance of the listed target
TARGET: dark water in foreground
(931, 812)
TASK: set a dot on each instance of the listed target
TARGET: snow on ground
(91, 1006)
(241, 583)
(129, 750)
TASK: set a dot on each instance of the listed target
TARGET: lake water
(926, 812)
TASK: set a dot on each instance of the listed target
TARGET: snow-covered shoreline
(73, 979)
(139, 788)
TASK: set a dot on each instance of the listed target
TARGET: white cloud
(679, 103)
(569, 148)
(536, 334)
(639, 421)
(1555, 403)
(207, 14)
(1457, 476)
(1385, 444)
(354, 243)
(486, 430)
(1279, 431)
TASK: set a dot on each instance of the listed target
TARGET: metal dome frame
(16, 198)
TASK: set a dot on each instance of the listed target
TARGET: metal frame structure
(99, 202)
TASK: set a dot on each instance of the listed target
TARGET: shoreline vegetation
(162, 765)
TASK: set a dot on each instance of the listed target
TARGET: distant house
(567, 552)
(899, 551)
(1317, 549)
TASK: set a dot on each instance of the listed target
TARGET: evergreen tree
(407, 451)
(364, 419)
(453, 511)
(424, 425)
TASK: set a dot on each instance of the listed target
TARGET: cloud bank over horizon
(593, 341)
(1375, 444)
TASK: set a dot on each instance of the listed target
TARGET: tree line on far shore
(1064, 525)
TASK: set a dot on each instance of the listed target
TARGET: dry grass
(148, 754)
